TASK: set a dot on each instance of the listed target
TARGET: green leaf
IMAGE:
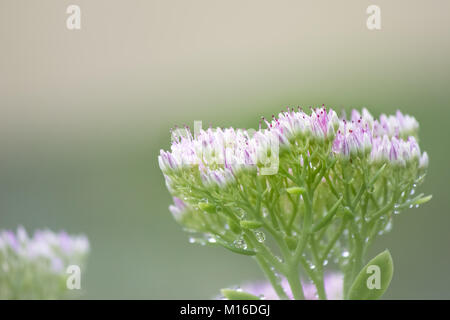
(234, 249)
(250, 224)
(423, 200)
(295, 190)
(238, 295)
(374, 279)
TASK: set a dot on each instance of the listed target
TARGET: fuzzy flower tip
(41, 259)
(220, 154)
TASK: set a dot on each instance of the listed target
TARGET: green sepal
(235, 249)
(207, 207)
(365, 286)
(295, 190)
(231, 294)
(250, 224)
(234, 226)
(423, 200)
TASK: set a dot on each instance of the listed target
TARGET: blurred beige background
(85, 112)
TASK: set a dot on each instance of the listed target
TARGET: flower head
(340, 180)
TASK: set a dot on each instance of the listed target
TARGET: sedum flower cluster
(36, 267)
(308, 191)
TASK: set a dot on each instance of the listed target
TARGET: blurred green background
(84, 114)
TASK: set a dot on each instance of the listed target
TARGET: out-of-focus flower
(35, 267)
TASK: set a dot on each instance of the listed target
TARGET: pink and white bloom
(333, 283)
(220, 153)
(57, 249)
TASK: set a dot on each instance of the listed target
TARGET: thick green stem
(293, 278)
(320, 286)
(353, 269)
(319, 281)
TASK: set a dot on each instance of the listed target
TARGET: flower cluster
(35, 267)
(220, 154)
(322, 187)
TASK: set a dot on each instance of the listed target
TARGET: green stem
(293, 279)
(274, 280)
(249, 237)
(319, 283)
(354, 268)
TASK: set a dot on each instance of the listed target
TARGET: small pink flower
(333, 283)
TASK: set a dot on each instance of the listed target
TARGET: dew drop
(192, 240)
(389, 226)
(260, 236)
(241, 213)
(325, 262)
(240, 244)
(345, 254)
(412, 191)
(212, 240)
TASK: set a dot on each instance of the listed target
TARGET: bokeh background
(84, 113)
